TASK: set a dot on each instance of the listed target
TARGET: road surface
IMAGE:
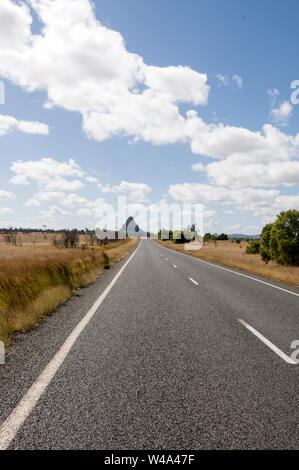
(176, 354)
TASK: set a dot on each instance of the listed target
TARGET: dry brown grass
(35, 280)
(233, 255)
(39, 239)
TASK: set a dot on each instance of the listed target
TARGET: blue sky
(231, 62)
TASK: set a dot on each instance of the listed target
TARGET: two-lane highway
(176, 354)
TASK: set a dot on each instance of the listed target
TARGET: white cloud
(114, 90)
(269, 212)
(273, 92)
(218, 141)
(31, 127)
(282, 114)
(235, 228)
(5, 195)
(223, 79)
(287, 202)
(136, 191)
(177, 84)
(89, 70)
(266, 214)
(91, 179)
(67, 185)
(248, 158)
(233, 172)
(70, 201)
(15, 25)
(73, 200)
(265, 204)
(239, 80)
(50, 196)
(93, 208)
(209, 214)
(9, 124)
(211, 226)
(54, 211)
(198, 167)
(6, 211)
(49, 174)
(85, 212)
(32, 203)
(203, 193)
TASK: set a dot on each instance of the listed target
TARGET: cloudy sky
(175, 101)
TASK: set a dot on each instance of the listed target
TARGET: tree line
(279, 240)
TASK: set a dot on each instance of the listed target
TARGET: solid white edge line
(192, 280)
(268, 343)
(18, 416)
(234, 272)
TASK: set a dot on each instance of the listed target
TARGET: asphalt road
(162, 363)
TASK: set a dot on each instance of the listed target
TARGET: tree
(222, 236)
(164, 234)
(44, 231)
(93, 239)
(265, 243)
(11, 237)
(179, 236)
(70, 238)
(253, 248)
(207, 237)
(280, 240)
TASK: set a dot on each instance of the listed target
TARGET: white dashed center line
(174, 265)
(194, 282)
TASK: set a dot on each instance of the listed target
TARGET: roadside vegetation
(275, 255)
(35, 279)
(280, 240)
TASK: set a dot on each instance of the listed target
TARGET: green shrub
(253, 248)
(165, 234)
(106, 260)
(179, 237)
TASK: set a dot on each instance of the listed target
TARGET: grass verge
(233, 255)
(34, 281)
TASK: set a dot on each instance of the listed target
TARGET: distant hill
(131, 228)
(231, 236)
